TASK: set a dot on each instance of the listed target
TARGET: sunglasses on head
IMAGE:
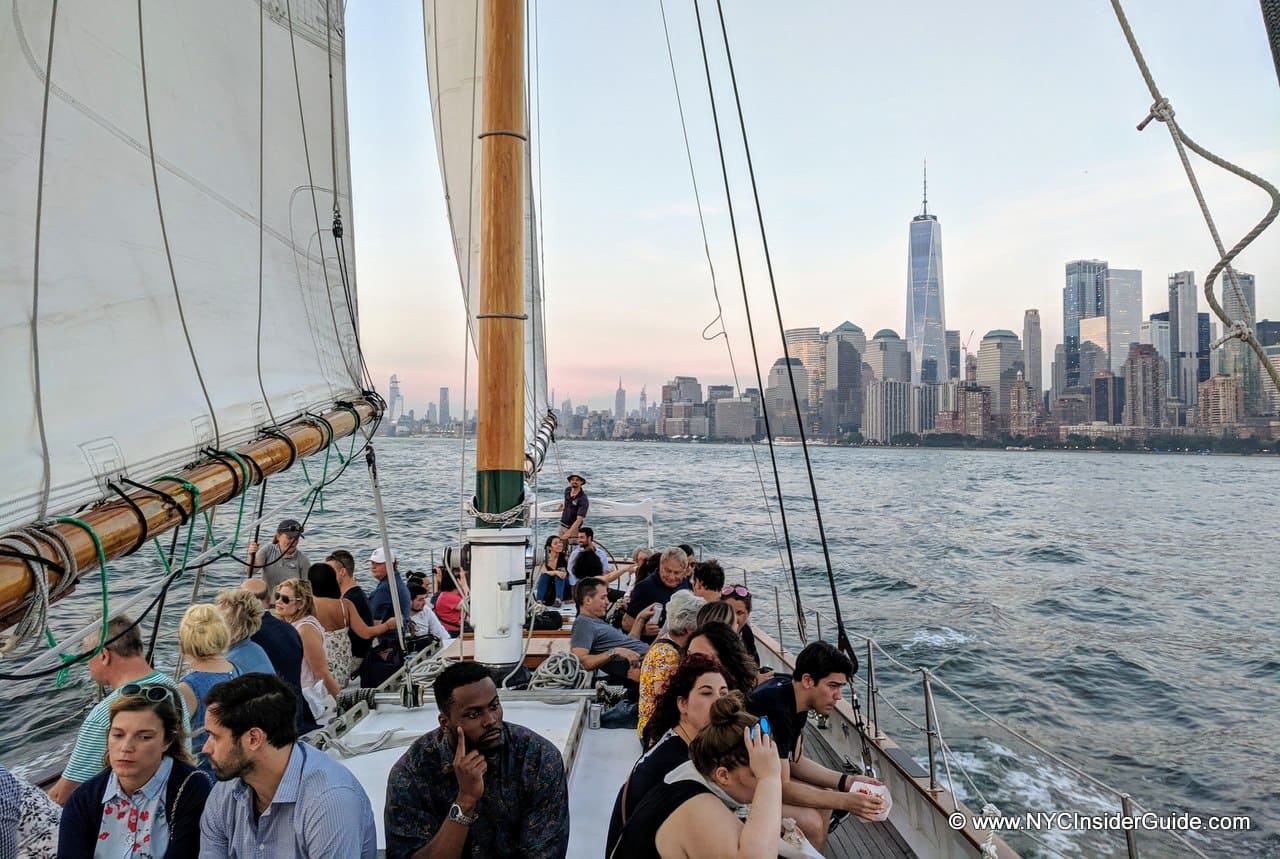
(284, 598)
(153, 692)
(735, 591)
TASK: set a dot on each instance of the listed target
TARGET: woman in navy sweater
(148, 801)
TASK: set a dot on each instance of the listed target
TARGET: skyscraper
(395, 402)
(888, 357)
(777, 397)
(1144, 386)
(953, 354)
(1183, 337)
(926, 319)
(620, 403)
(842, 394)
(1124, 314)
(1031, 351)
(807, 344)
(1084, 295)
(445, 418)
(999, 365)
(1238, 358)
(888, 410)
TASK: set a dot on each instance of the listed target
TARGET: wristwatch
(456, 815)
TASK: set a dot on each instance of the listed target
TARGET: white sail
(455, 72)
(130, 335)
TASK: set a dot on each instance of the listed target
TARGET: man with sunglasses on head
(120, 664)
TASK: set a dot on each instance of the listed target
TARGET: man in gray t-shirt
(599, 645)
(280, 559)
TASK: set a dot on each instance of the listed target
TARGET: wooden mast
(119, 528)
(501, 321)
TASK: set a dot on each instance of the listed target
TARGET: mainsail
(171, 277)
(456, 81)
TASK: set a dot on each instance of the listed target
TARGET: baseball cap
(290, 526)
(378, 558)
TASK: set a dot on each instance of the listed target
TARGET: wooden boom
(119, 527)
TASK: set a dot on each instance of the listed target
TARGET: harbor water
(1122, 611)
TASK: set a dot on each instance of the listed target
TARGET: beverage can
(593, 715)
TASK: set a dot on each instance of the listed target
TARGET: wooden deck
(854, 839)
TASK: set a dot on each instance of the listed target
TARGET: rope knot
(1162, 110)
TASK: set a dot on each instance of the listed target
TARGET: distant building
(1144, 386)
(842, 394)
(735, 418)
(1123, 313)
(808, 344)
(1269, 332)
(926, 316)
(433, 416)
(1024, 408)
(1084, 295)
(395, 402)
(1108, 397)
(924, 408)
(1093, 335)
(999, 365)
(888, 357)
(1221, 402)
(1183, 337)
(784, 420)
(445, 419)
(1204, 339)
(1031, 351)
(1238, 358)
(1268, 386)
(953, 355)
(620, 403)
(1072, 407)
(887, 411)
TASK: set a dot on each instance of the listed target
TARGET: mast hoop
(520, 316)
(502, 133)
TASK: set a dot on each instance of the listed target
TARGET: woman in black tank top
(687, 817)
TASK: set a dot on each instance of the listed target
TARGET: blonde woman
(203, 638)
(243, 613)
(296, 603)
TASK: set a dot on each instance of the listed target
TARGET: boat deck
(855, 839)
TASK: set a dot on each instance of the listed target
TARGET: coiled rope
(560, 671)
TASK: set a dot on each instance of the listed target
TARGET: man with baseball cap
(280, 559)
(576, 504)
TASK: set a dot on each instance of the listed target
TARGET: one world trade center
(926, 320)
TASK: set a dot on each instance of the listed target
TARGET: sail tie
(168, 499)
(507, 517)
(138, 514)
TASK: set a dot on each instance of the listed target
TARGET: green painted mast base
(497, 491)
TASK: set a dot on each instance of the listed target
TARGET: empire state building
(926, 319)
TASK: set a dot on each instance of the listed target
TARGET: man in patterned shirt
(477, 786)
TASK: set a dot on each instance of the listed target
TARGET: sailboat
(219, 271)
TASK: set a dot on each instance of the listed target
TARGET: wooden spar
(500, 337)
(118, 526)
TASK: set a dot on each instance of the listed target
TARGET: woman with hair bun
(733, 763)
(203, 639)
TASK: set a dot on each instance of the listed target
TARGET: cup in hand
(879, 790)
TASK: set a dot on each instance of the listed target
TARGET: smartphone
(764, 726)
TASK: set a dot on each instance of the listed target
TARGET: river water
(1122, 611)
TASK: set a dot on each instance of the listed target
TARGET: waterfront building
(783, 417)
(953, 355)
(924, 408)
(1238, 358)
(1183, 337)
(1272, 394)
(808, 344)
(620, 403)
(733, 418)
(1031, 351)
(1123, 314)
(926, 316)
(888, 410)
(1108, 397)
(395, 402)
(1205, 330)
(851, 334)
(841, 410)
(433, 416)
(1024, 408)
(1144, 387)
(999, 363)
(1072, 407)
(1269, 332)
(1084, 296)
(1221, 402)
(445, 418)
(888, 357)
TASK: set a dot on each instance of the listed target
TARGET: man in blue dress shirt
(276, 796)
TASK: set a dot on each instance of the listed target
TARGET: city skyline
(623, 249)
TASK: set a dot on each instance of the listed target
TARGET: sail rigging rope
(46, 475)
(842, 638)
(751, 335)
(164, 232)
(262, 161)
(1162, 110)
(711, 268)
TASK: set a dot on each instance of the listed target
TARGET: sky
(1026, 113)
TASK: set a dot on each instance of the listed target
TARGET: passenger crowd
(212, 765)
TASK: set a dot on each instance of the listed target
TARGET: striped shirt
(91, 742)
(319, 810)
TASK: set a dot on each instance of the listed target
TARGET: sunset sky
(1025, 112)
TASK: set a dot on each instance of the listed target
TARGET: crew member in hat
(380, 600)
(575, 508)
(281, 559)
